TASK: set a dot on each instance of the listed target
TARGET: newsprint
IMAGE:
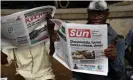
(25, 28)
(81, 48)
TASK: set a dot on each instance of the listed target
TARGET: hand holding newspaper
(25, 28)
(81, 48)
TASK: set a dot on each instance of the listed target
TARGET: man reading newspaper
(33, 62)
(97, 14)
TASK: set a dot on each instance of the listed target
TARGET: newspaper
(3, 78)
(81, 48)
(25, 28)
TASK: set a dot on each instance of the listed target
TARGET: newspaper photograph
(26, 28)
(81, 48)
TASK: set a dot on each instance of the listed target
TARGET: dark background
(32, 4)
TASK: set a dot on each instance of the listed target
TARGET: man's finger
(110, 55)
(107, 53)
(48, 16)
(108, 50)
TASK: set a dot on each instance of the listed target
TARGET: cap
(98, 5)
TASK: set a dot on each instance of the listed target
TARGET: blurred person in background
(129, 54)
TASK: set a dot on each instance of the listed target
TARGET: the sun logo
(81, 33)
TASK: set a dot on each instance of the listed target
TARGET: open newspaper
(25, 28)
(81, 48)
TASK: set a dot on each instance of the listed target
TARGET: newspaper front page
(25, 28)
(81, 48)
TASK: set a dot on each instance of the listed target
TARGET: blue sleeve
(118, 64)
(129, 38)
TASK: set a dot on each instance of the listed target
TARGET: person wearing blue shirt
(129, 53)
(129, 47)
(97, 14)
(129, 38)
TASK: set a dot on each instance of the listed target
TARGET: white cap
(98, 5)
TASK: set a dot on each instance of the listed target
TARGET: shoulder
(129, 38)
(111, 31)
(129, 35)
(130, 32)
(113, 36)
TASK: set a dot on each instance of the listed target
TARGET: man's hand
(50, 24)
(55, 36)
(50, 27)
(48, 16)
(111, 52)
(3, 58)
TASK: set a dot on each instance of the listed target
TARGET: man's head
(97, 12)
